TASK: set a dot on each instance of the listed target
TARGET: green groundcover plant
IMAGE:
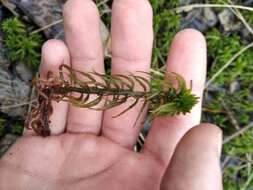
(21, 44)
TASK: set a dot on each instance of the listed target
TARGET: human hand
(90, 149)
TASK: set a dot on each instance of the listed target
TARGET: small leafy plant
(21, 44)
(166, 95)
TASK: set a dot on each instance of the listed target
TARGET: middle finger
(132, 39)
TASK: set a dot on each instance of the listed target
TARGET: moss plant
(166, 24)
(221, 48)
(166, 95)
(13, 127)
(22, 46)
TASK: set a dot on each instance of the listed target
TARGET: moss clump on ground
(10, 126)
(234, 87)
(21, 44)
(166, 24)
(221, 49)
(239, 74)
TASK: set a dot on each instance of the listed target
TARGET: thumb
(195, 164)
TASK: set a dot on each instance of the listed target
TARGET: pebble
(6, 142)
(227, 20)
(199, 19)
(13, 91)
(43, 13)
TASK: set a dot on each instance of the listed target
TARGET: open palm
(91, 149)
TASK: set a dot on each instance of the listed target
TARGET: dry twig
(188, 8)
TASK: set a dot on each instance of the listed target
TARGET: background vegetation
(228, 98)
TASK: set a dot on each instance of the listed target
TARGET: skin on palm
(84, 161)
(90, 149)
(59, 160)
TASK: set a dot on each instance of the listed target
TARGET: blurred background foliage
(228, 99)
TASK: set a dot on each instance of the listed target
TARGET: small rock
(13, 92)
(234, 86)
(6, 142)
(248, 3)
(217, 88)
(3, 61)
(251, 97)
(14, 2)
(1, 13)
(227, 20)
(210, 17)
(105, 35)
(43, 13)
(185, 2)
(199, 19)
(246, 34)
(23, 72)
